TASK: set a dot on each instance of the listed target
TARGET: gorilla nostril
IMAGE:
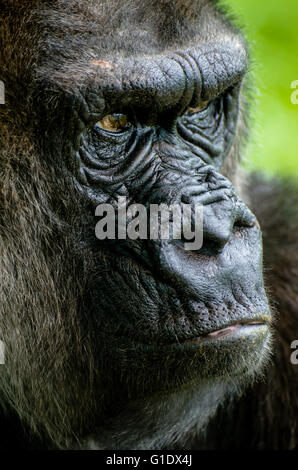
(215, 240)
(223, 220)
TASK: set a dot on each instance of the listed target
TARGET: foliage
(272, 28)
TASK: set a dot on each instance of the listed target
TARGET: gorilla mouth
(236, 330)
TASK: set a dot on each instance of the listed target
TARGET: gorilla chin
(185, 382)
(233, 351)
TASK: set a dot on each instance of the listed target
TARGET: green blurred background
(272, 29)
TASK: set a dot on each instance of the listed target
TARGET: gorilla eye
(202, 107)
(114, 122)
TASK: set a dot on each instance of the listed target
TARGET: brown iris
(113, 122)
(202, 106)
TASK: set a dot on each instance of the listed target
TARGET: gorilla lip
(223, 332)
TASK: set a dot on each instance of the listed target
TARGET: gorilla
(139, 343)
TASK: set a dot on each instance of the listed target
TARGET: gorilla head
(124, 343)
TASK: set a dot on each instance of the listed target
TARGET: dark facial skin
(171, 151)
(168, 326)
(173, 160)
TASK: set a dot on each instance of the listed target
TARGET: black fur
(92, 330)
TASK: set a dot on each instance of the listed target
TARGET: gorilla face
(135, 332)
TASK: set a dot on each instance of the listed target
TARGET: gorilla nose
(224, 214)
(217, 225)
(221, 220)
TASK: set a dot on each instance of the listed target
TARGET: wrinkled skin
(131, 343)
